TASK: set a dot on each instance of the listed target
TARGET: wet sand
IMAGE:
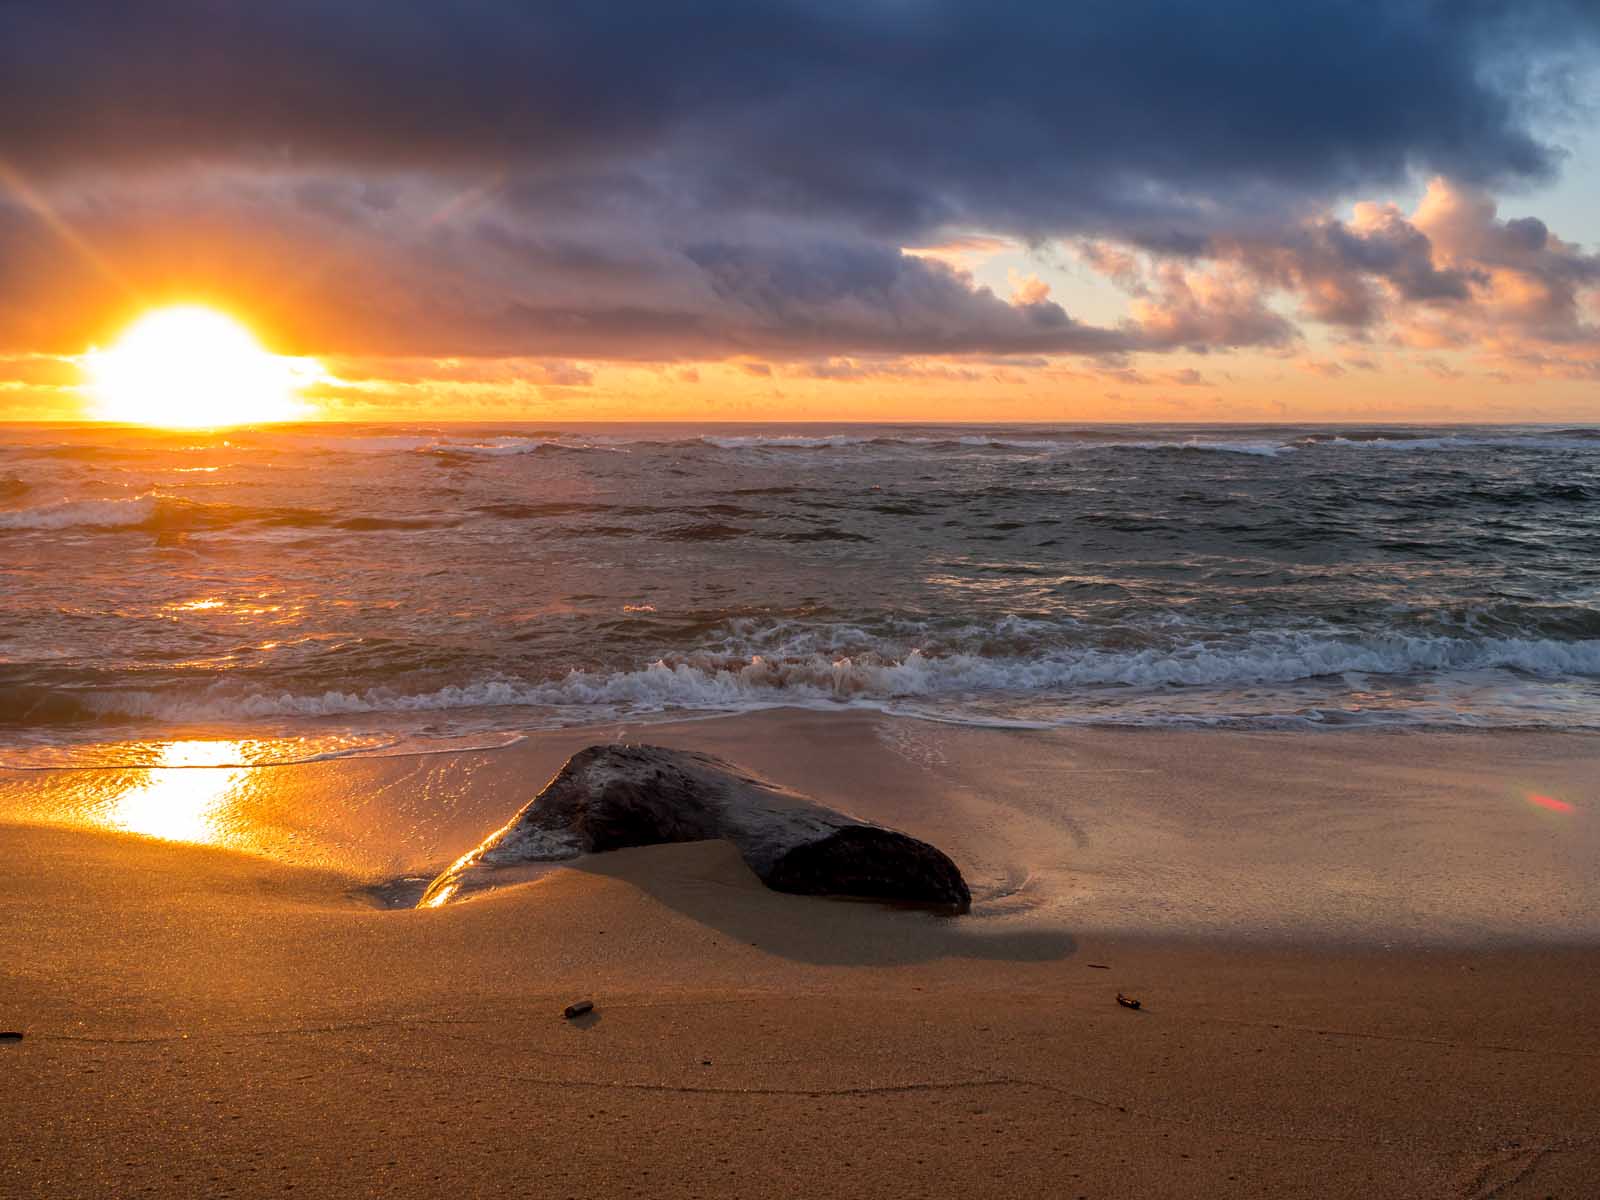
(1366, 964)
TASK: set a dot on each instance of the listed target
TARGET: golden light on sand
(184, 798)
(192, 367)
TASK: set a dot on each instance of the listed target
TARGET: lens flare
(1550, 802)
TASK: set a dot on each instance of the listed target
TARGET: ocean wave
(87, 514)
(1067, 442)
(790, 441)
(1257, 449)
(1412, 443)
(355, 444)
(707, 680)
(436, 442)
(1004, 443)
(452, 447)
(1076, 442)
(490, 442)
(156, 513)
(515, 447)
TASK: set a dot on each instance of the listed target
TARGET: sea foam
(89, 514)
(717, 681)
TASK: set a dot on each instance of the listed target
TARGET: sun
(191, 367)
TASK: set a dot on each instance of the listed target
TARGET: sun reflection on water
(185, 798)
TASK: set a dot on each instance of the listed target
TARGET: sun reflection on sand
(185, 798)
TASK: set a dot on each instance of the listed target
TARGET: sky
(888, 210)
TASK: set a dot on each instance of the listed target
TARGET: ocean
(322, 590)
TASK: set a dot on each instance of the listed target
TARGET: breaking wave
(1066, 443)
(86, 514)
(518, 446)
(710, 681)
(451, 448)
(1562, 440)
(156, 513)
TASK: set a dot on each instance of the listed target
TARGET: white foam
(791, 441)
(1006, 443)
(716, 682)
(1062, 445)
(1257, 449)
(68, 514)
(1069, 441)
(1463, 442)
(508, 447)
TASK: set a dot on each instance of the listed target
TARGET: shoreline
(638, 726)
(1449, 837)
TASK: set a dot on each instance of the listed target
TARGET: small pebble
(578, 1009)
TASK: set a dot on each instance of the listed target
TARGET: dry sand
(1368, 965)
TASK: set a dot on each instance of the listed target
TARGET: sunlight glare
(184, 799)
(195, 368)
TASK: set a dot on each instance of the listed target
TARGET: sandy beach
(1365, 963)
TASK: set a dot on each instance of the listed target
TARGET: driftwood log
(616, 796)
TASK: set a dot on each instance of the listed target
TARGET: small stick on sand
(1127, 1001)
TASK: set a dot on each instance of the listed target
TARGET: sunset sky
(770, 210)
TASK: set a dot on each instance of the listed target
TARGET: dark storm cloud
(329, 277)
(900, 115)
(811, 298)
(640, 179)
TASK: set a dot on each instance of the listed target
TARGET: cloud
(735, 178)
(40, 371)
(1222, 306)
(889, 112)
(1027, 289)
(853, 369)
(644, 281)
(812, 296)
(966, 251)
(1453, 275)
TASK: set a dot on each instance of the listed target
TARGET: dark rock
(618, 796)
(578, 1009)
(1128, 1001)
(10, 1035)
